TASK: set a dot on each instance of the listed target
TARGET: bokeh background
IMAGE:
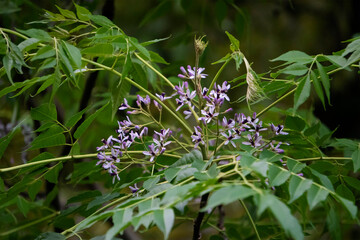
(266, 29)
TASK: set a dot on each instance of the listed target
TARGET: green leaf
(66, 13)
(187, 158)
(356, 159)
(5, 140)
(235, 44)
(297, 187)
(102, 199)
(318, 87)
(171, 173)
(353, 182)
(74, 118)
(295, 123)
(227, 195)
(23, 205)
(282, 213)
(44, 52)
(52, 137)
(84, 196)
(277, 175)
(148, 184)
(333, 223)
(36, 33)
(51, 236)
(259, 166)
(238, 58)
(102, 21)
(139, 47)
(73, 53)
(350, 206)
(121, 219)
(45, 112)
(34, 189)
(294, 57)
(345, 192)
(65, 63)
(337, 60)
(46, 84)
(53, 174)
(28, 44)
(101, 49)
(323, 179)
(295, 69)
(324, 80)
(295, 166)
(302, 92)
(82, 13)
(185, 173)
(164, 219)
(84, 126)
(156, 58)
(315, 195)
(8, 65)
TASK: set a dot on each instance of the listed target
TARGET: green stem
(14, 32)
(185, 125)
(156, 71)
(251, 219)
(68, 158)
(276, 102)
(323, 158)
(217, 75)
(29, 224)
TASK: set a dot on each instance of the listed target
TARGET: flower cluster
(247, 130)
(112, 149)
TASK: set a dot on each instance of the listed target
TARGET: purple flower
(108, 143)
(276, 148)
(228, 124)
(230, 138)
(190, 73)
(162, 96)
(157, 105)
(254, 140)
(208, 115)
(153, 152)
(196, 137)
(257, 127)
(124, 105)
(185, 95)
(134, 190)
(278, 130)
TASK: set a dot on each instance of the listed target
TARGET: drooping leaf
(84, 126)
(318, 87)
(324, 80)
(187, 158)
(102, 21)
(36, 33)
(302, 92)
(333, 222)
(164, 219)
(54, 136)
(283, 214)
(294, 57)
(121, 219)
(325, 181)
(316, 194)
(171, 173)
(350, 206)
(277, 175)
(23, 205)
(45, 112)
(356, 159)
(53, 174)
(34, 189)
(295, 123)
(296, 69)
(298, 186)
(148, 184)
(228, 195)
(66, 13)
(101, 49)
(73, 53)
(345, 192)
(75, 118)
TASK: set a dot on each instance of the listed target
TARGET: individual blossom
(134, 190)
(276, 148)
(185, 95)
(209, 114)
(278, 130)
(254, 140)
(190, 73)
(124, 105)
(257, 127)
(107, 144)
(230, 137)
(152, 152)
(196, 137)
(228, 123)
(162, 96)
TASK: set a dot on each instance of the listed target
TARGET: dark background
(266, 29)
